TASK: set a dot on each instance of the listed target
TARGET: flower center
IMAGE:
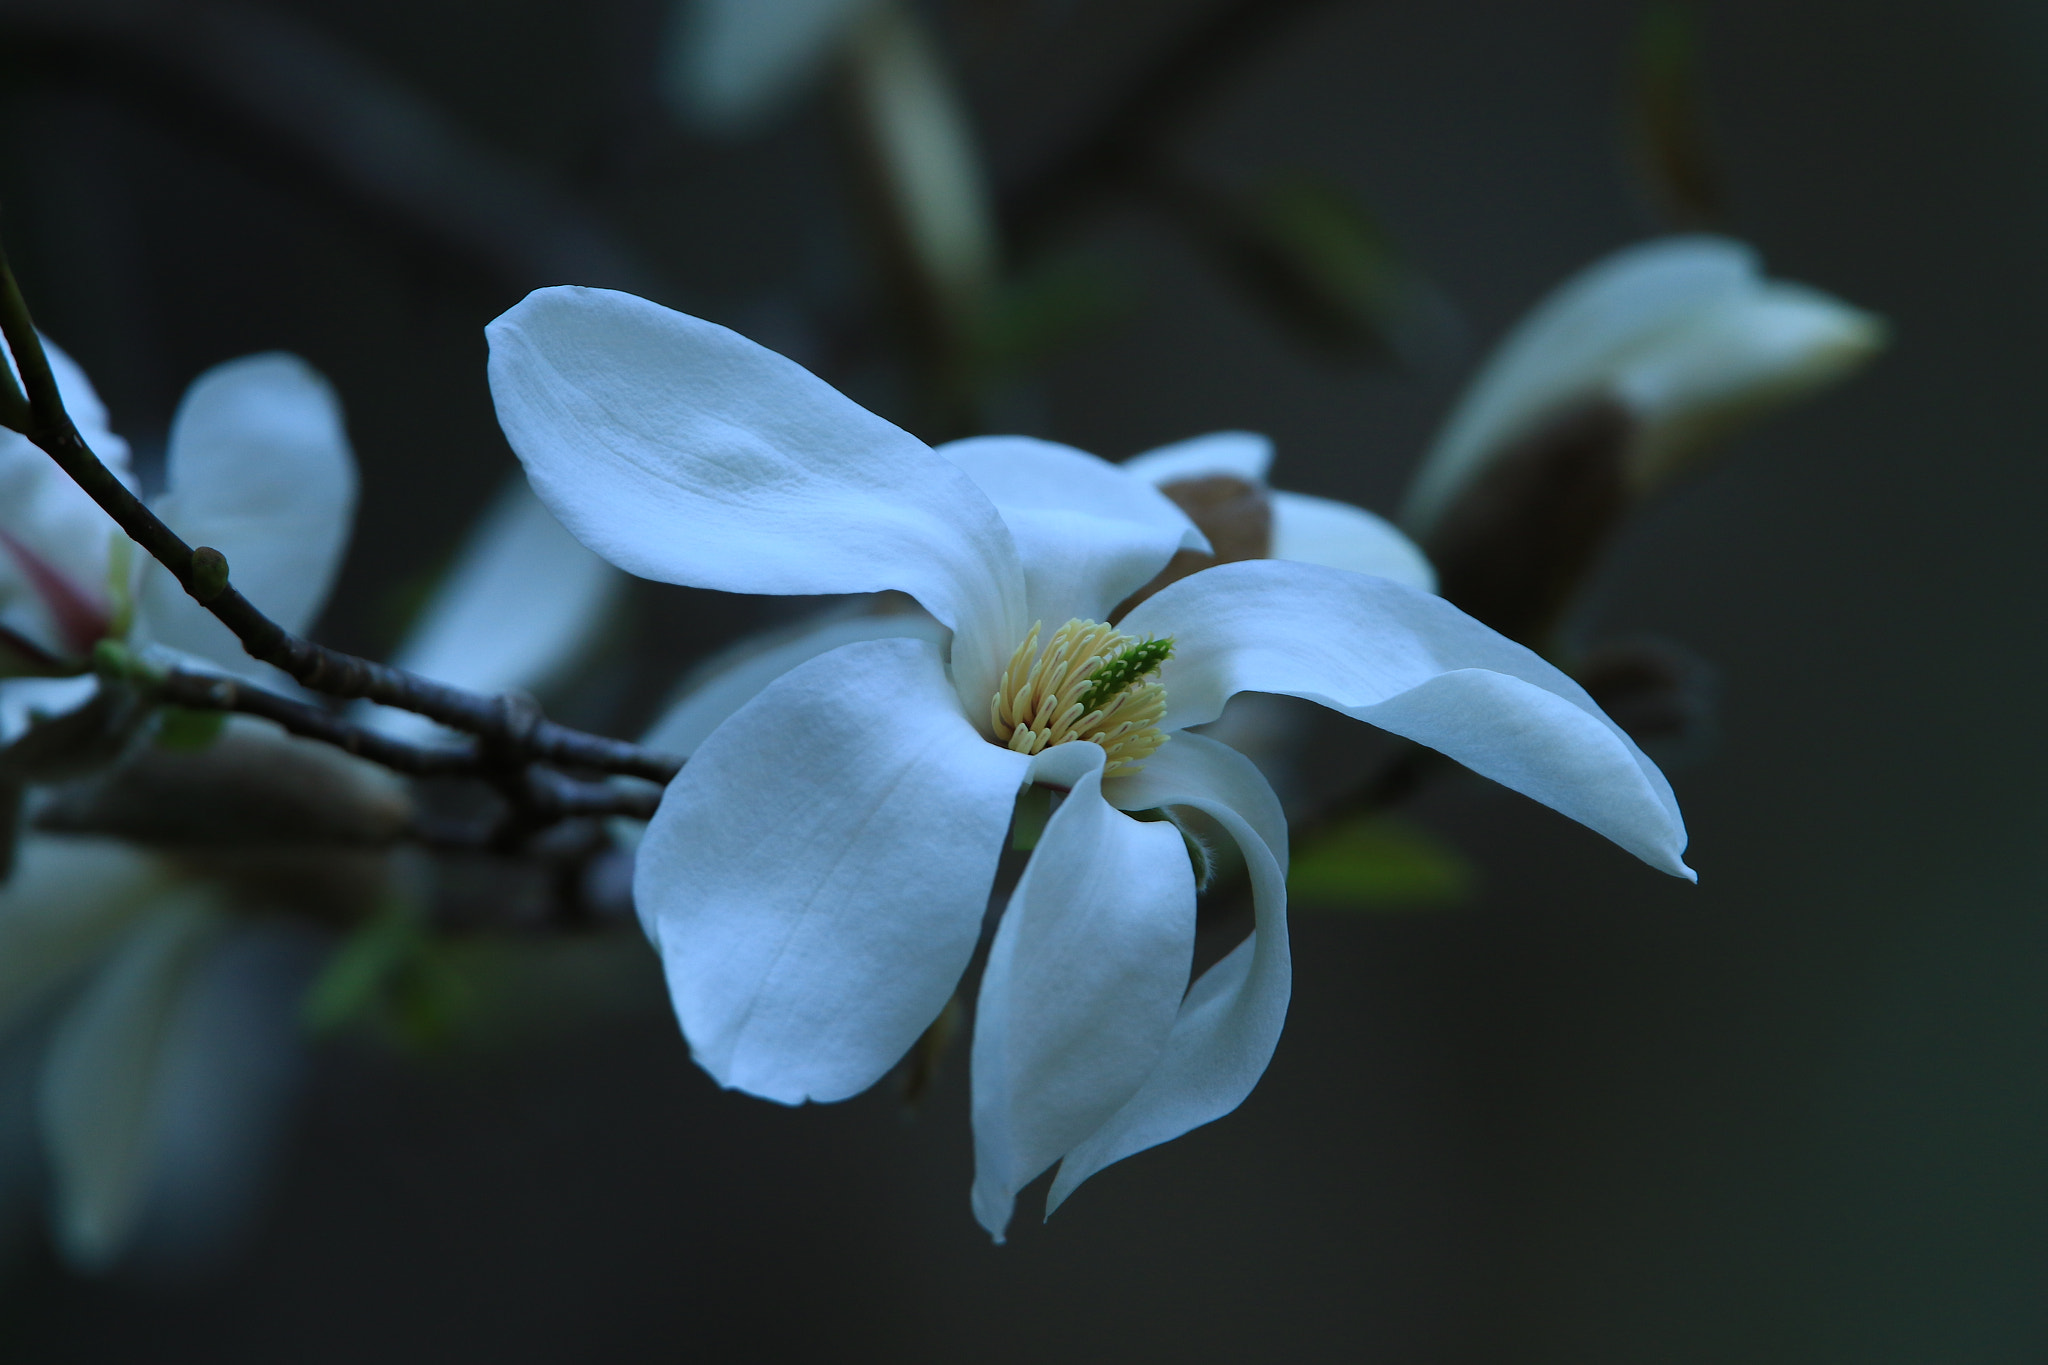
(1088, 682)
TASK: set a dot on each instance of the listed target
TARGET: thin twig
(508, 724)
(211, 692)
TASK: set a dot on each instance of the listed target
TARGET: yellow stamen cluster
(1046, 697)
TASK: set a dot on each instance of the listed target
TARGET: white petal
(1572, 345)
(685, 453)
(1089, 534)
(730, 682)
(45, 515)
(1238, 454)
(1324, 531)
(1755, 351)
(99, 1101)
(519, 607)
(816, 877)
(1413, 664)
(731, 61)
(1084, 979)
(23, 701)
(1229, 1024)
(67, 900)
(258, 467)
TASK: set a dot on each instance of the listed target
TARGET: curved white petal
(1324, 531)
(816, 877)
(99, 1101)
(259, 467)
(731, 61)
(1227, 1027)
(683, 452)
(1413, 664)
(1571, 345)
(1239, 454)
(1757, 350)
(67, 900)
(1084, 979)
(521, 604)
(730, 682)
(47, 522)
(1088, 533)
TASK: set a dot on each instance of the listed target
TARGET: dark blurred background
(1799, 1113)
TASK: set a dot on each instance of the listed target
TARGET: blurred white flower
(258, 466)
(816, 877)
(155, 1069)
(1684, 334)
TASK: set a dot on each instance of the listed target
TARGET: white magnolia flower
(816, 877)
(144, 1091)
(1685, 334)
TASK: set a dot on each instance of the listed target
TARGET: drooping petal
(1227, 1027)
(521, 604)
(815, 879)
(258, 467)
(727, 684)
(1083, 982)
(1088, 533)
(683, 452)
(66, 902)
(1413, 664)
(99, 1099)
(1324, 531)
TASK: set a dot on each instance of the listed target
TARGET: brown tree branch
(507, 725)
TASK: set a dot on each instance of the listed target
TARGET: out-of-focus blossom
(258, 466)
(148, 1068)
(1683, 338)
(816, 877)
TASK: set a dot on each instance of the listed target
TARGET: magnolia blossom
(1684, 334)
(816, 877)
(157, 1073)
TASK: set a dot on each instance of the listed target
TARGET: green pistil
(1122, 670)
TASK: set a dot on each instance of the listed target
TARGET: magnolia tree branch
(508, 725)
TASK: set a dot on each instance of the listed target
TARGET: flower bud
(1683, 335)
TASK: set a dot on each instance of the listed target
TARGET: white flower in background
(55, 541)
(1685, 334)
(816, 877)
(171, 1058)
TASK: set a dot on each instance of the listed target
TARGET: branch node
(207, 574)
